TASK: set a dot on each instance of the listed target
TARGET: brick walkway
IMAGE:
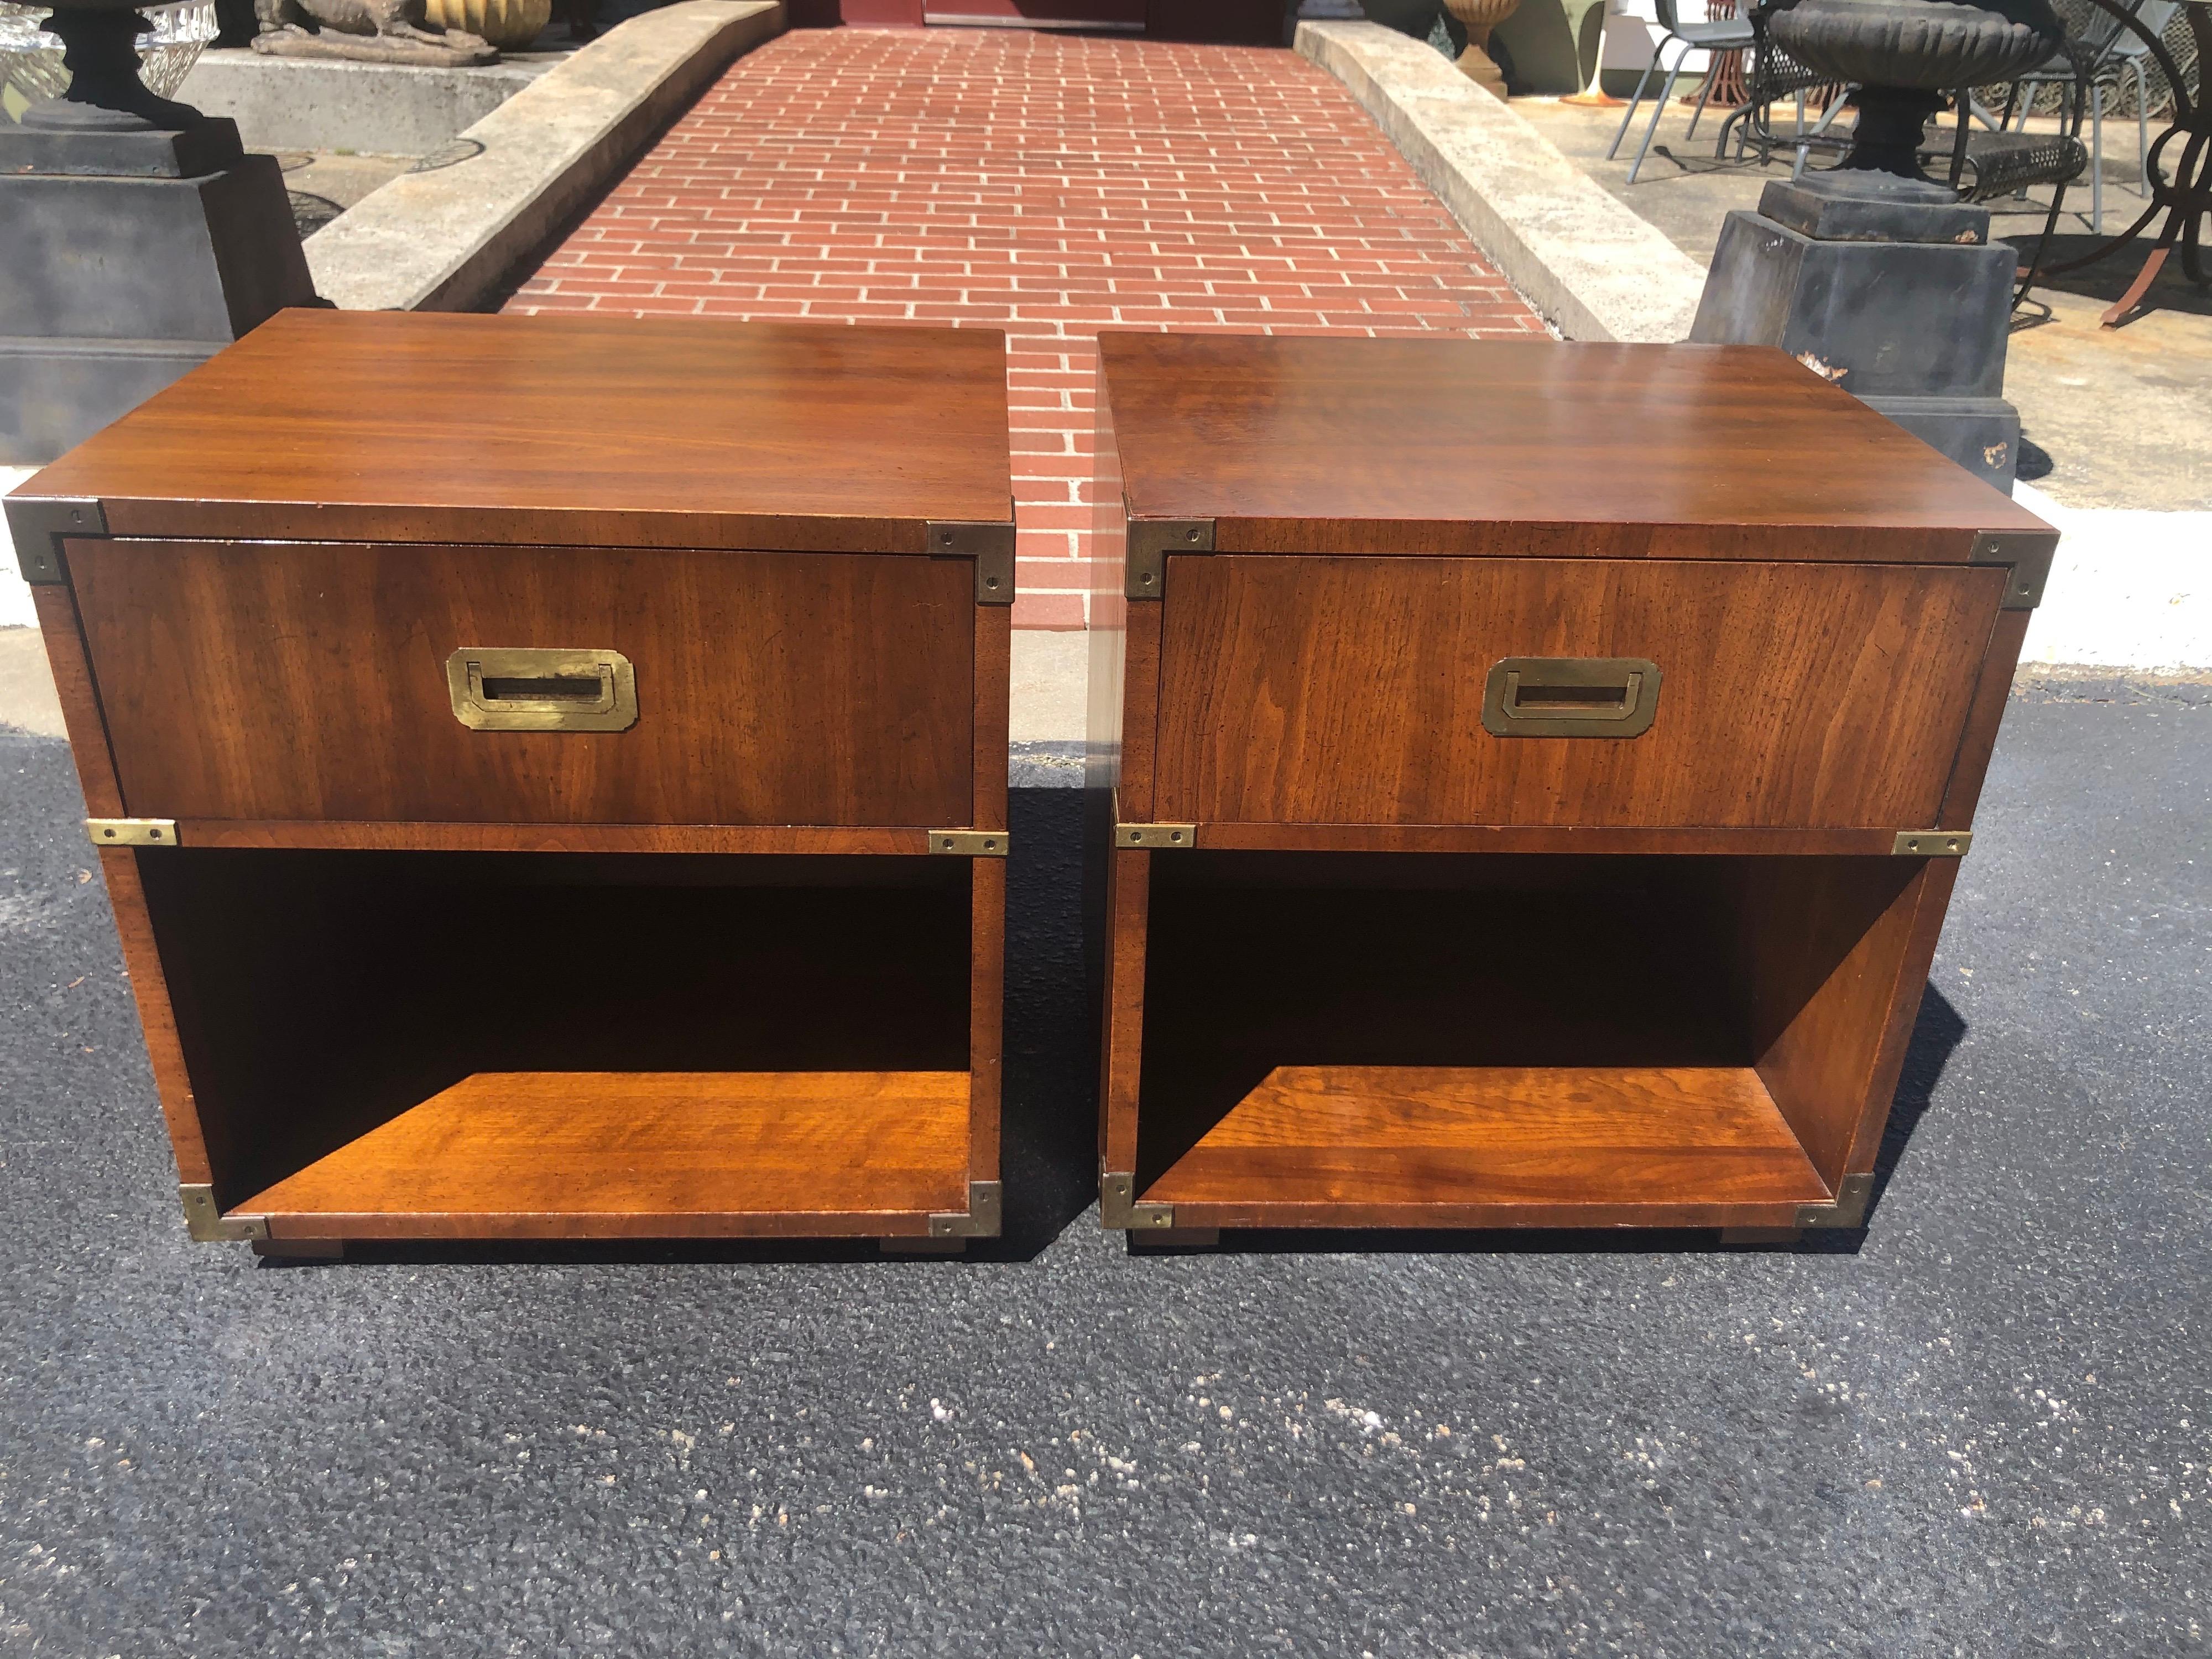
(1047, 185)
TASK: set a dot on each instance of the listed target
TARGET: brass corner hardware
(1118, 1207)
(131, 832)
(969, 843)
(1932, 843)
(1159, 837)
(981, 1219)
(2029, 552)
(1570, 698)
(38, 526)
(1847, 1209)
(1150, 541)
(210, 1225)
(990, 543)
(542, 688)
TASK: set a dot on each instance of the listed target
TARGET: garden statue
(374, 31)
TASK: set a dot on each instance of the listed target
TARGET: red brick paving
(1043, 185)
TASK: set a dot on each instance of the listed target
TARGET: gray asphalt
(1981, 1427)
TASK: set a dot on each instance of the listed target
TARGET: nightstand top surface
(1278, 437)
(616, 430)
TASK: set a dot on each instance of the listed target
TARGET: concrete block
(378, 109)
(1594, 269)
(443, 240)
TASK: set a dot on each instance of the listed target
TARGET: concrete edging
(442, 241)
(378, 109)
(1594, 269)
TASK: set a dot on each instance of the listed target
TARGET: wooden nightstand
(550, 771)
(1539, 775)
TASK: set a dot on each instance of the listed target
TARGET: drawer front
(282, 681)
(1352, 691)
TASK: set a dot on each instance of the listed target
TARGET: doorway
(1063, 14)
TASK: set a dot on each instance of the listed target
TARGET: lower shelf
(1391, 1145)
(519, 1154)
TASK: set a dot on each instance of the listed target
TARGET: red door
(1124, 13)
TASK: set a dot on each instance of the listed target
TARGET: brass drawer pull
(507, 689)
(1570, 698)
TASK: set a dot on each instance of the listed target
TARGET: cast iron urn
(1905, 54)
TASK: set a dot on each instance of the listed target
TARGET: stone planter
(1479, 17)
(31, 59)
(1905, 54)
(509, 25)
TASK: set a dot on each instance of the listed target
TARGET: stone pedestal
(132, 257)
(1890, 288)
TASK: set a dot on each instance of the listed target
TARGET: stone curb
(1594, 269)
(445, 239)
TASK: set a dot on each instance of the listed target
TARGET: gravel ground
(1984, 1427)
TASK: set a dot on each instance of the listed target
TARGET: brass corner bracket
(981, 1219)
(1158, 837)
(210, 1225)
(1847, 1209)
(1150, 541)
(38, 526)
(990, 543)
(2029, 552)
(969, 843)
(131, 832)
(1118, 1207)
(1932, 843)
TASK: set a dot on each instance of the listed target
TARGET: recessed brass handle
(511, 689)
(1570, 698)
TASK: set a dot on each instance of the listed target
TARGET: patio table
(2187, 195)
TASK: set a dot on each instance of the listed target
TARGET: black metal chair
(1722, 34)
(2108, 53)
(1770, 76)
(1996, 161)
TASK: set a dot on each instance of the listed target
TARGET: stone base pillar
(1889, 286)
(132, 257)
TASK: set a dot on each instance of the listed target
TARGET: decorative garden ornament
(141, 237)
(1479, 17)
(1594, 96)
(509, 25)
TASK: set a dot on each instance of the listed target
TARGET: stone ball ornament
(1905, 54)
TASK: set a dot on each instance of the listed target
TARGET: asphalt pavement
(1983, 1426)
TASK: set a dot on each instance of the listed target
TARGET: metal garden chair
(1722, 34)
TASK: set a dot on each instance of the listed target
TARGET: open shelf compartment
(462, 1045)
(1510, 1039)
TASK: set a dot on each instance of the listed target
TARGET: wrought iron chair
(1998, 162)
(2109, 55)
(1722, 34)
